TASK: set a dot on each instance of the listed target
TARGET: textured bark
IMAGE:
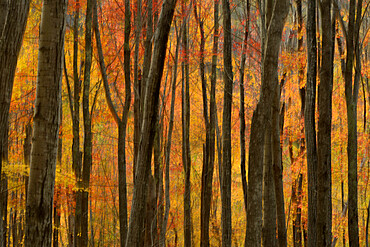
(269, 201)
(309, 121)
(226, 129)
(46, 125)
(13, 19)
(185, 120)
(261, 115)
(324, 206)
(150, 115)
(297, 229)
(121, 122)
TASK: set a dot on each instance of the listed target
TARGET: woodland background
(193, 80)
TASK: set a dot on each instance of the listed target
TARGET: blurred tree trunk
(150, 115)
(46, 125)
(13, 20)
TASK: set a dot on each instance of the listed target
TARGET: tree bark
(309, 121)
(261, 115)
(13, 22)
(226, 128)
(324, 206)
(148, 126)
(46, 125)
(351, 92)
(185, 121)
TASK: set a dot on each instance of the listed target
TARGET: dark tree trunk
(242, 109)
(150, 115)
(57, 192)
(226, 128)
(39, 204)
(261, 115)
(162, 238)
(351, 92)
(324, 206)
(82, 239)
(185, 120)
(12, 27)
(121, 122)
(309, 121)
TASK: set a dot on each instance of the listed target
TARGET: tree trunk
(13, 22)
(324, 206)
(82, 239)
(149, 120)
(46, 125)
(185, 120)
(226, 128)
(261, 115)
(242, 110)
(121, 122)
(162, 238)
(351, 93)
(57, 198)
(309, 121)
(269, 201)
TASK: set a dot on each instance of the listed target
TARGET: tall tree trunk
(150, 115)
(309, 121)
(13, 22)
(351, 92)
(121, 122)
(139, 92)
(261, 115)
(324, 212)
(75, 112)
(226, 128)
(242, 109)
(46, 125)
(186, 158)
(162, 238)
(82, 239)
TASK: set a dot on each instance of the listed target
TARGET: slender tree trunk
(262, 114)
(121, 122)
(351, 92)
(150, 115)
(242, 109)
(139, 92)
(185, 119)
(87, 157)
(226, 128)
(162, 238)
(46, 125)
(309, 120)
(13, 22)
